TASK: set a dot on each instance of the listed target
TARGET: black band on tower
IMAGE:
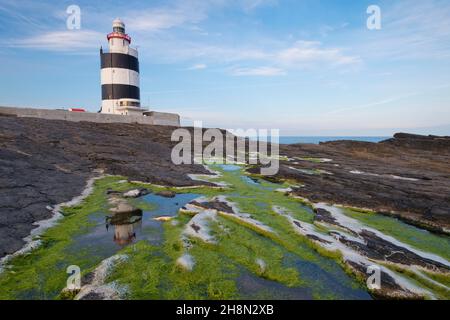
(119, 60)
(119, 91)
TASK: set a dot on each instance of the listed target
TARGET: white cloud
(163, 18)
(285, 57)
(153, 29)
(259, 71)
(410, 30)
(68, 40)
(199, 66)
(306, 53)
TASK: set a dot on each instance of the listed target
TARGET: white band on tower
(120, 74)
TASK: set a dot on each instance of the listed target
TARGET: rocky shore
(46, 162)
(407, 176)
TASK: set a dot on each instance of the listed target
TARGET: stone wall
(152, 118)
(164, 118)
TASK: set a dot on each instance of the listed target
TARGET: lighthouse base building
(120, 74)
(121, 101)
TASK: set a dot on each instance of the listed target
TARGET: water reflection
(113, 232)
(125, 227)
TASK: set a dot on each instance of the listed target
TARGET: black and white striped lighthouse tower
(120, 74)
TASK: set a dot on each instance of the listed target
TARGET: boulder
(136, 193)
(166, 194)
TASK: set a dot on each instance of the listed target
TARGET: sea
(317, 139)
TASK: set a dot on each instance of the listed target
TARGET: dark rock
(316, 238)
(388, 287)
(215, 205)
(166, 194)
(87, 278)
(112, 192)
(195, 227)
(94, 296)
(322, 215)
(379, 249)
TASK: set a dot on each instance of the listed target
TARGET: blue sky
(306, 67)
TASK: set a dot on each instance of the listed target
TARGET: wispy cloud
(199, 66)
(389, 100)
(410, 30)
(247, 60)
(258, 71)
(305, 53)
(68, 40)
(183, 12)
(155, 19)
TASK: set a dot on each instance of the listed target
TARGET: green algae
(152, 272)
(41, 273)
(157, 276)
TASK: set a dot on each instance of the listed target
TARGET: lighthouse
(120, 74)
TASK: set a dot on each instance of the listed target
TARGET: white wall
(156, 118)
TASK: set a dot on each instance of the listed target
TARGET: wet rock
(215, 205)
(388, 286)
(195, 227)
(322, 215)
(112, 192)
(136, 193)
(379, 249)
(87, 278)
(166, 194)
(316, 238)
(94, 286)
(92, 295)
(298, 224)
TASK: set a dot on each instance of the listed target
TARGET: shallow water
(106, 239)
(328, 282)
(320, 277)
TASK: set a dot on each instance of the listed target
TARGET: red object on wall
(77, 110)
